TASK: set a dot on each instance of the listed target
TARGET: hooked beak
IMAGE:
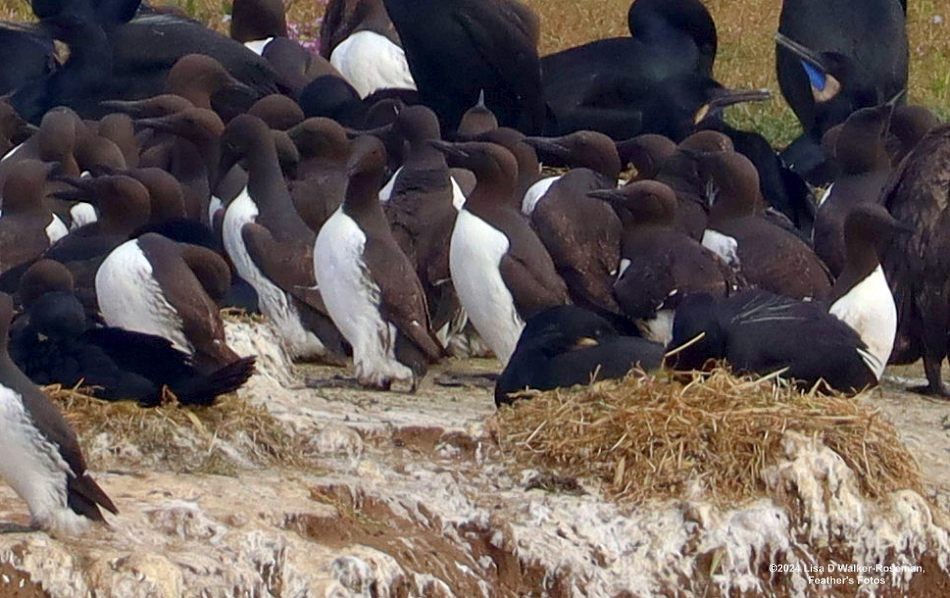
(729, 97)
(802, 52)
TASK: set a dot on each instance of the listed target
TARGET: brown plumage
(918, 265)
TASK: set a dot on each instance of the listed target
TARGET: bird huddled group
(383, 203)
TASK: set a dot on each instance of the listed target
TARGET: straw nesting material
(654, 437)
(220, 438)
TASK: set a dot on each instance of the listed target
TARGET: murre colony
(382, 206)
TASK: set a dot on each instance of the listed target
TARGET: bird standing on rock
(42, 458)
(370, 287)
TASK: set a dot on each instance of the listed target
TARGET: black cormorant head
(58, 315)
(564, 328)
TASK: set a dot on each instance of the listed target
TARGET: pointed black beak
(379, 132)
(449, 149)
(553, 146)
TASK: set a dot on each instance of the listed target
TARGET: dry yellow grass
(654, 437)
(746, 50)
(218, 439)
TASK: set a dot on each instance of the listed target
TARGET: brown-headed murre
(768, 256)
(156, 286)
(860, 155)
(27, 226)
(846, 341)
(660, 265)
(42, 460)
(501, 270)
(370, 287)
(271, 247)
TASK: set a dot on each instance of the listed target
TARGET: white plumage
(386, 193)
(353, 298)
(724, 246)
(33, 467)
(534, 194)
(273, 301)
(370, 62)
(131, 298)
(869, 309)
(257, 46)
(475, 254)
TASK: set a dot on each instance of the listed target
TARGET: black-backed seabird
(42, 460)
(370, 287)
(493, 43)
(501, 270)
(768, 256)
(846, 341)
(828, 67)
(271, 247)
(156, 286)
(568, 345)
(660, 266)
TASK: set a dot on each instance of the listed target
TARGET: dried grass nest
(217, 439)
(655, 437)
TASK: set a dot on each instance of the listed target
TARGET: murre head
(123, 203)
(44, 276)
(13, 129)
(60, 131)
(581, 149)
(477, 120)
(120, 130)
(278, 111)
(417, 124)
(366, 169)
(244, 135)
(861, 143)
(197, 78)
(646, 153)
(707, 140)
(732, 185)
(198, 125)
(495, 168)
(320, 138)
(642, 203)
(25, 186)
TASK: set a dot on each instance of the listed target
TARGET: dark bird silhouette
(834, 57)
(464, 47)
(59, 346)
(917, 265)
(568, 345)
